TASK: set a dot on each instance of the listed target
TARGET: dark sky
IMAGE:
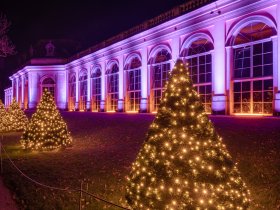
(85, 21)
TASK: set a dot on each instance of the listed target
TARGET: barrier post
(81, 196)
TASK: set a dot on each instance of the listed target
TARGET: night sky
(87, 22)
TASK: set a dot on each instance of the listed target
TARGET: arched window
(72, 92)
(160, 70)
(83, 90)
(133, 78)
(96, 89)
(199, 58)
(49, 84)
(252, 75)
(112, 75)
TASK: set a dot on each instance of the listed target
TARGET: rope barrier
(57, 188)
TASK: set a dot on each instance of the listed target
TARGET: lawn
(105, 144)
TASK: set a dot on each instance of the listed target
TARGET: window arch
(133, 78)
(49, 84)
(83, 90)
(198, 55)
(252, 74)
(96, 89)
(112, 76)
(160, 68)
(72, 91)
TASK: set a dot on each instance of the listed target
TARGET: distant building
(232, 47)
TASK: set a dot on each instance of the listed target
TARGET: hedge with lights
(183, 164)
(47, 129)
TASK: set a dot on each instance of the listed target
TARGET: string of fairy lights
(46, 130)
(12, 119)
(183, 163)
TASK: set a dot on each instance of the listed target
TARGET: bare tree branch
(6, 46)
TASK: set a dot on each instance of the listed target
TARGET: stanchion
(81, 196)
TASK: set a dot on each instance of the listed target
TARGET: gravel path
(6, 201)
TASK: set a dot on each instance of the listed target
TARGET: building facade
(232, 49)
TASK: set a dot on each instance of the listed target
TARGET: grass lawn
(105, 146)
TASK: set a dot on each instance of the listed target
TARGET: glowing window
(112, 75)
(72, 92)
(133, 75)
(199, 58)
(253, 69)
(160, 72)
(96, 89)
(49, 84)
(83, 90)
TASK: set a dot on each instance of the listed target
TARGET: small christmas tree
(183, 163)
(3, 118)
(16, 119)
(47, 129)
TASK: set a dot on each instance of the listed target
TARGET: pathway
(6, 201)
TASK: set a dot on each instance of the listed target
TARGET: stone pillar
(229, 69)
(175, 50)
(17, 90)
(121, 86)
(276, 64)
(88, 105)
(144, 81)
(103, 87)
(13, 86)
(219, 76)
(22, 91)
(61, 92)
(77, 91)
(67, 89)
(33, 90)
(276, 75)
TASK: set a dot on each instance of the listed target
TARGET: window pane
(257, 60)
(257, 71)
(245, 86)
(245, 72)
(237, 87)
(267, 47)
(268, 84)
(267, 58)
(237, 97)
(257, 49)
(257, 85)
(268, 70)
(257, 96)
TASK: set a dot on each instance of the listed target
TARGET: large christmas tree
(46, 130)
(17, 120)
(3, 117)
(183, 164)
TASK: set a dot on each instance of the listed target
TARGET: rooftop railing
(169, 15)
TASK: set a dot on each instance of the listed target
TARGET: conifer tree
(17, 120)
(183, 164)
(3, 118)
(47, 129)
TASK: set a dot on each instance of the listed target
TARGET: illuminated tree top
(183, 163)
